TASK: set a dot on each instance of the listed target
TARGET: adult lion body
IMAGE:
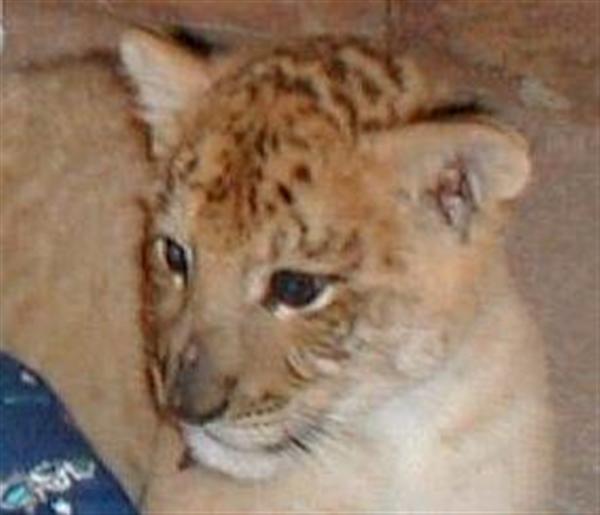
(72, 170)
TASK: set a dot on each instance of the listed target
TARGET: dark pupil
(175, 256)
(294, 288)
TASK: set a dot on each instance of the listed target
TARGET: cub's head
(320, 243)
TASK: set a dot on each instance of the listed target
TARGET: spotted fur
(328, 157)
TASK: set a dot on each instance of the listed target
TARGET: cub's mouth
(247, 454)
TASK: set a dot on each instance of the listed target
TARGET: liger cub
(333, 326)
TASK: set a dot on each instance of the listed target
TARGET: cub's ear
(465, 166)
(170, 81)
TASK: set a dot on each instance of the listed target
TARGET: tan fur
(417, 383)
(72, 171)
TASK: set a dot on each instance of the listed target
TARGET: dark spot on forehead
(303, 86)
(393, 260)
(370, 88)
(259, 142)
(217, 191)
(285, 193)
(252, 91)
(274, 142)
(238, 136)
(302, 173)
(372, 125)
(344, 103)
(252, 199)
(337, 69)
(295, 141)
(256, 173)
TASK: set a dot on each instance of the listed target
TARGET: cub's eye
(174, 256)
(295, 289)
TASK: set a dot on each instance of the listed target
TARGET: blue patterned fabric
(46, 466)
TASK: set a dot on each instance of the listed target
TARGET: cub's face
(264, 295)
(304, 268)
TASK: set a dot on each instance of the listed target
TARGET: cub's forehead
(290, 119)
(277, 139)
(241, 190)
(348, 84)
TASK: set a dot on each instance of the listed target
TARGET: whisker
(320, 433)
(299, 444)
(295, 453)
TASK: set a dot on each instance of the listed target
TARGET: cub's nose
(198, 393)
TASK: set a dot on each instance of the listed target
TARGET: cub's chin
(247, 464)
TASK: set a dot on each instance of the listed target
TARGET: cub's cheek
(419, 352)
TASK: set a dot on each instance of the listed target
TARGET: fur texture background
(73, 173)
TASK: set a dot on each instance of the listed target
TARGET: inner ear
(454, 194)
(466, 166)
(170, 82)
